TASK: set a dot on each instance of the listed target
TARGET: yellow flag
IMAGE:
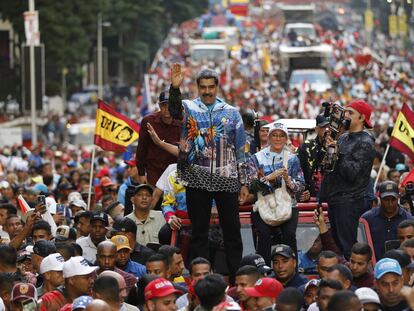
(113, 131)
(266, 61)
(402, 137)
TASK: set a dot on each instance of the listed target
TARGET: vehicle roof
(209, 47)
(308, 70)
(301, 25)
(296, 7)
(296, 125)
(320, 48)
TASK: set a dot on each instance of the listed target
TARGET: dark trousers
(265, 232)
(343, 216)
(199, 210)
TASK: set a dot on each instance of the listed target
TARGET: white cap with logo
(77, 266)
(53, 262)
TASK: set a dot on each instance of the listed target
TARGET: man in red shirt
(151, 159)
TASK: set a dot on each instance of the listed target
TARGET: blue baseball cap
(40, 188)
(386, 265)
(81, 302)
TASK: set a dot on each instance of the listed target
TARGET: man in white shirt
(89, 244)
(149, 222)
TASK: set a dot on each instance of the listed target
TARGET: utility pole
(32, 82)
(99, 57)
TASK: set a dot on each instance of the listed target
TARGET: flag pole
(381, 166)
(91, 177)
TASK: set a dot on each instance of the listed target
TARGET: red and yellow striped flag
(402, 137)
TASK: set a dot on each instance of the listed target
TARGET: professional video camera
(335, 114)
(408, 196)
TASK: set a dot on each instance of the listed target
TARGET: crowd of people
(138, 236)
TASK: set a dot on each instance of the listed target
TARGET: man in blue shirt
(384, 221)
(123, 261)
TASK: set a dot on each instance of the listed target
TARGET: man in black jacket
(347, 183)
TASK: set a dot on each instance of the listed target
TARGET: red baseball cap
(363, 108)
(106, 181)
(159, 288)
(265, 287)
(131, 162)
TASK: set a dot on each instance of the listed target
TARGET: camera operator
(345, 186)
(407, 197)
(310, 154)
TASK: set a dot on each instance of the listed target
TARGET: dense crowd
(138, 236)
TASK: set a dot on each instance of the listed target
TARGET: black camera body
(335, 114)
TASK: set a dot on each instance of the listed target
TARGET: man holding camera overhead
(345, 185)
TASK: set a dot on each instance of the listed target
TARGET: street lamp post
(99, 54)
(32, 84)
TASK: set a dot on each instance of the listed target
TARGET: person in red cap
(265, 292)
(160, 295)
(345, 188)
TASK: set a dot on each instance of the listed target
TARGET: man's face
(164, 112)
(82, 284)
(3, 216)
(133, 171)
(409, 251)
(122, 257)
(405, 233)
(388, 289)
(13, 226)
(263, 134)
(356, 118)
(243, 281)
(200, 271)
(177, 265)
(395, 177)
(324, 297)
(358, 264)
(84, 226)
(98, 230)
(284, 268)
(7, 192)
(55, 278)
(106, 258)
(389, 205)
(320, 131)
(166, 303)
(40, 234)
(207, 90)
(310, 295)
(324, 264)
(157, 268)
(142, 199)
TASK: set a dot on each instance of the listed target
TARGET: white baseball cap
(278, 126)
(77, 266)
(79, 203)
(53, 262)
(74, 196)
(367, 295)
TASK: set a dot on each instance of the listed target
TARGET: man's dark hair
(210, 290)
(327, 254)
(78, 249)
(158, 257)
(107, 287)
(10, 208)
(334, 284)
(408, 243)
(42, 225)
(8, 256)
(12, 216)
(84, 214)
(406, 223)
(291, 296)
(198, 261)
(341, 300)
(66, 250)
(248, 270)
(136, 295)
(7, 280)
(343, 270)
(168, 251)
(362, 249)
(207, 74)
